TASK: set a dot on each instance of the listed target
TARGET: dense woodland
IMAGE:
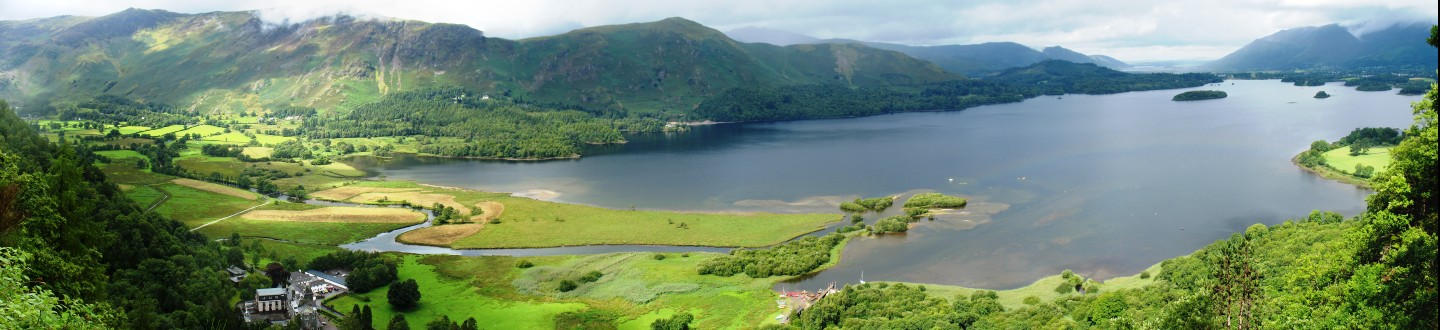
(1056, 77)
(112, 264)
(1362, 80)
(796, 257)
(111, 109)
(833, 101)
(481, 127)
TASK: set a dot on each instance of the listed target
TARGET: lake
(1105, 185)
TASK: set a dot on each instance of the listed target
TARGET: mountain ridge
(967, 59)
(1333, 46)
(236, 62)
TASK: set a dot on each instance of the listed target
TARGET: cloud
(1132, 30)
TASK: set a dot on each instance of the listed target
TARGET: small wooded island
(1199, 95)
(1321, 95)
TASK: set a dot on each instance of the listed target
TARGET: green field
(458, 299)
(309, 233)
(532, 223)
(144, 196)
(1341, 160)
(635, 287)
(195, 207)
(240, 138)
(313, 177)
(202, 130)
(127, 130)
(121, 155)
(318, 233)
(164, 130)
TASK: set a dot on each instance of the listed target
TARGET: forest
(1199, 95)
(1055, 77)
(836, 101)
(79, 238)
(478, 127)
(796, 257)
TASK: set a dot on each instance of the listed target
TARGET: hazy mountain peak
(770, 36)
(1332, 46)
(1064, 54)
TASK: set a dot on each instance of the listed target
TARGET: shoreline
(1332, 174)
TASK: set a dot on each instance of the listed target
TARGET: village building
(271, 300)
(236, 274)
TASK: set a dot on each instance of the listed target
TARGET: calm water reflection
(1104, 185)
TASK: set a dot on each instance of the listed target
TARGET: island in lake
(1199, 95)
(1322, 95)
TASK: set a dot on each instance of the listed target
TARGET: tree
(367, 319)
(1360, 147)
(397, 322)
(234, 256)
(277, 274)
(404, 295)
(36, 308)
(252, 283)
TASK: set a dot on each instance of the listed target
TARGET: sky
(1131, 30)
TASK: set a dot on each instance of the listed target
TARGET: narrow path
(268, 200)
(165, 197)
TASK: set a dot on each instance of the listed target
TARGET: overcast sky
(1131, 30)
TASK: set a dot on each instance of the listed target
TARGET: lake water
(1104, 185)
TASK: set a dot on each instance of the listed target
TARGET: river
(1105, 185)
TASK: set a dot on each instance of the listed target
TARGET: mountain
(1335, 47)
(770, 36)
(234, 61)
(972, 59)
(976, 59)
(1064, 54)
(1109, 62)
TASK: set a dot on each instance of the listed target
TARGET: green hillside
(232, 62)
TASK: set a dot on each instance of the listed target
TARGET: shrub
(659, 256)
(892, 225)
(524, 264)
(935, 200)
(851, 207)
(566, 286)
(591, 277)
(678, 322)
(1064, 288)
(1032, 300)
(1144, 275)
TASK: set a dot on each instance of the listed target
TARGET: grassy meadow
(1341, 160)
(635, 288)
(532, 223)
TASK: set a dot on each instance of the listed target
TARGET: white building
(270, 300)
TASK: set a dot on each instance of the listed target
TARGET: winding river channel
(1105, 185)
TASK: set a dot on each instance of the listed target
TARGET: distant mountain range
(233, 61)
(972, 59)
(1333, 47)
